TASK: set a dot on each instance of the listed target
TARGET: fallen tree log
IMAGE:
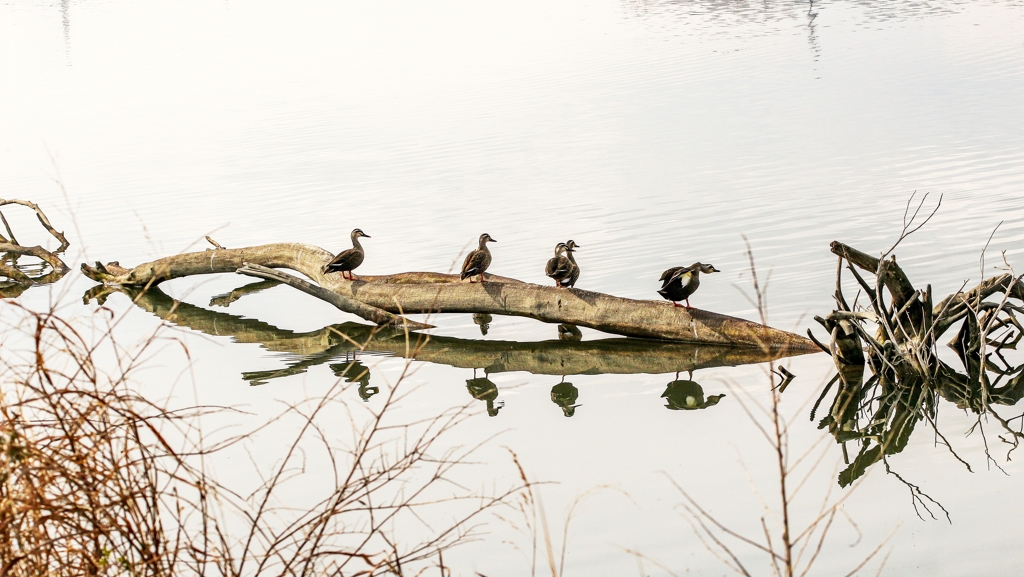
(427, 292)
(375, 315)
(553, 357)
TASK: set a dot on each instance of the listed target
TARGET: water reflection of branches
(907, 379)
(790, 549)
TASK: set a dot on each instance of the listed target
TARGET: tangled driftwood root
(21, 276)
(907, 378)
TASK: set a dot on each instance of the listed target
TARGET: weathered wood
(954, 307)
(64, 244)
(21, 278)
(554, 357)
(422, 293)
(363, 311)
(37, 251)
(907, 312)
(888, 271)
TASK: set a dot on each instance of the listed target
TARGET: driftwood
(375, 315)
(907, 379)
(427, 292)
(20, 277)
(911, 323)
(554, 357)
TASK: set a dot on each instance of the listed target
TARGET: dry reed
(97, 478)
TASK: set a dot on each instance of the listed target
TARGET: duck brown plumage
(570, 248)
(559, 267)
(678, 283)
(478, 260)
(348, 260)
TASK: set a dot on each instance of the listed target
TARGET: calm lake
(655, 134)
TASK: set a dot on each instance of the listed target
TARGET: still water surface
(653, 133)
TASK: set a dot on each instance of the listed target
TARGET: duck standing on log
(559, 267)
(678, 283)
(478, 260)
(574, 275)
(563, 269)
(348, 260)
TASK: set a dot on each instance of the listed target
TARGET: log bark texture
(425, 292)
(363, 311)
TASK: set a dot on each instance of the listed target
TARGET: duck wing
(476, 263)
(670, 275)
(574, 275)
(345, 261)
(558, 267)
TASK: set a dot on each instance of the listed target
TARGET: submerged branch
(363, 311)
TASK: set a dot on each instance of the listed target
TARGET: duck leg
(688, 303)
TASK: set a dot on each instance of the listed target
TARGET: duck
(559, 267)
(348, 260)
(571, 246)
(678, 283)
(478, 260)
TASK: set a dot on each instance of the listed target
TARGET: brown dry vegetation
(98, 478)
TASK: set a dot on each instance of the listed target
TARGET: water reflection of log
(555, 357)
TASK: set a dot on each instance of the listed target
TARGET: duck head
(485, 238)
(356, 233)
(560, 248)
(704, 268)
(571, 245)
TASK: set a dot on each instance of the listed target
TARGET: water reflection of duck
(477, 261)
(569, 332)
(356, 372)
(678, 283)
(564, 395)
(483, 389)
(483, 320)
(683, 395)
(348, 260)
